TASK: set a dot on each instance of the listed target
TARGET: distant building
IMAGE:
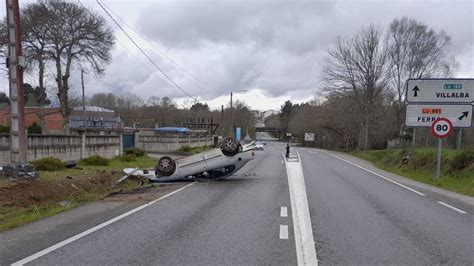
(97, 119)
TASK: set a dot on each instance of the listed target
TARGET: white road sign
(440, 90)
(423, 115)
(308, 136)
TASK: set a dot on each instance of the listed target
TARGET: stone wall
(64, 147)
(159, 143)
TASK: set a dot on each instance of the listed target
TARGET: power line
(189, 73)
(143, 52)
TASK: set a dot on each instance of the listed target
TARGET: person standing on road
(287, 150)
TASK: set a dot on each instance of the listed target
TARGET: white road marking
(379, 175)
(303, 230)
(451, 207)
(95, 228)
(284, 212)
(283, 231)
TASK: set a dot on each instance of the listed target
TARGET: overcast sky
(272, 49)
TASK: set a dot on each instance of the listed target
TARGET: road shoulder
(456, 199)
(25, 240)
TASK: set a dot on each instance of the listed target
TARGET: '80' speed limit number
(442, 127)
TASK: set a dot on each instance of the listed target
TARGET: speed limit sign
(442, 127)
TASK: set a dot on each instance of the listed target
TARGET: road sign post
(441, 128)
(431, 99)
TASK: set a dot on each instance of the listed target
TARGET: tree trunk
(366, 131)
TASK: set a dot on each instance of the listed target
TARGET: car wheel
(165, 166)
(230, 147)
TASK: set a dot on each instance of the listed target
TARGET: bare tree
(415, 51)
(76, 36)
(105, 100)
(358, 65)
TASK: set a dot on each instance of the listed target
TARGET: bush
(136, 152)
(461, 161)
(95, 160)
(34, 129)
(185, 149)
(4, 129)
(128, 158)
(48, 164)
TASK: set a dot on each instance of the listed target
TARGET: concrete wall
(63, 147)
(157, 144)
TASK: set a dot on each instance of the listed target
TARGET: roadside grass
(53, 192)
(420, 165)
(115, 165)
(187, 150)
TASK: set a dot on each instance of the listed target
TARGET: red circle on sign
(442, 133)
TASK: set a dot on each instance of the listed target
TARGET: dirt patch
(34, 192)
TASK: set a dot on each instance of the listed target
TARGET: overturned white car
(211, 165)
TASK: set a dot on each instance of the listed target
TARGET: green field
(420, 165)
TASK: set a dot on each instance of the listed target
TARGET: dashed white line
(379, 175)
(451, 207)
(283, 231)
(95, 228)
(284, 212)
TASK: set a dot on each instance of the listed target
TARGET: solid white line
(379, 175)
(95, 228)
(451, 207)
(283, 231)
(303, 230)
(284, 212)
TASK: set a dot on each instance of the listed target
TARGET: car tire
(165, 166)
(230, 147)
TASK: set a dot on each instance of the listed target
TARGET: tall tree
(358, 65)
(415, 51)
(77, 37)
(285, 112)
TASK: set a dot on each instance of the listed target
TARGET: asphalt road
(232, 221)
(357, 218)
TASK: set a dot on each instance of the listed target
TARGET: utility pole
(222, 120)
(83, 101)
(231, 117)
(15, 63)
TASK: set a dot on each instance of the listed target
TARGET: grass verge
(57, 191)
(420, 165)
(187, 150)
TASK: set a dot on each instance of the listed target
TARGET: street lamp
(232, 114)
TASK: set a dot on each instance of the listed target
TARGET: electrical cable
(189, 73)
(143, 52)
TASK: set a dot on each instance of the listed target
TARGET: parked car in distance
(259, 145)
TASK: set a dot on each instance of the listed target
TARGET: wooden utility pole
(83, 101)
(15, 63)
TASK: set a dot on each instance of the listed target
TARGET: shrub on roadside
(185, 149)
(127, 158)
(136, 152)
(4, 129)
(461, 161)
(34, 129)
(95, 160)
(48, 164)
